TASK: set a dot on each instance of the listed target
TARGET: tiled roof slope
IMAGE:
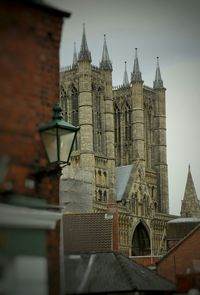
(110, 272)
(87, 232)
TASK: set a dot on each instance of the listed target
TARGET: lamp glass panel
(50, 142)
(66, 141)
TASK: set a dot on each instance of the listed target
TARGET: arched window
(74, 100)
(140, 241)
(73, 92)
(63, 101)
(117, 125)
(105, 196)
(127, 116)
(100, 195)
(148, 113)
(98, 122)
(127, 134)
(117, 119)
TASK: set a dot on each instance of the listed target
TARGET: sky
(168, 29)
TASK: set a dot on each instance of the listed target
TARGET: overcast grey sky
(168, 29)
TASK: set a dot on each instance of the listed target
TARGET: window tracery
(63, 101)
(74, 101)
(98, 120)
(117, 121)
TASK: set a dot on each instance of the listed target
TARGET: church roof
(136, 75)
(105, 61)
(122, 177)
(158, 82)
(84, 54)
(109, 272)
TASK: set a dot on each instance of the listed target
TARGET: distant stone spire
(105, 61)
(158, 82)
(190, 204)
(84, 54)
(125, 80)
(74, 56)
(190, 188)
(136, 76)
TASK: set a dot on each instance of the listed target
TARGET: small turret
(158, 82)
(125, 80)
(136, 75)
(105, 63)
(84, 54)
(75, 60)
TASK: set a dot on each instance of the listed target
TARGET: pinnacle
(84, 54)
(105, 61)
(125, 80)
(158, 83)
(136, 75)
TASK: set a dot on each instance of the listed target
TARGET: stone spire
(105, 61)
(158, 83)
(75, 60)
(190, 191)
(136, 76)
(190, 204)
(125, 80)
(84, 54)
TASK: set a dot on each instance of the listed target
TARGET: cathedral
(119, 161)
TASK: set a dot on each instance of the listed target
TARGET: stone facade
(119, 160)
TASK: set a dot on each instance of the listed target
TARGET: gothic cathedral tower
(119, 160)
(86, 98)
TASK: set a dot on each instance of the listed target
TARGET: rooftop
(110, 272)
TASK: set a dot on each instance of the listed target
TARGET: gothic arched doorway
(141, 241)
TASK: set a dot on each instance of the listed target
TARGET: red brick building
(30, 34)
(183, 259)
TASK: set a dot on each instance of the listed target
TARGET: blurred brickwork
(183, 259)
(29, 79)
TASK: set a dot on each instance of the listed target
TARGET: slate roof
(122, 177)
(109, 272)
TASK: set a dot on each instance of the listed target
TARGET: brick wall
(146, 260)
(29, 88)
(29, 85)
(180, 259)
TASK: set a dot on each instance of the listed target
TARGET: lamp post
(58, 138)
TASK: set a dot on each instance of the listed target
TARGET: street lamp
(58, 138)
